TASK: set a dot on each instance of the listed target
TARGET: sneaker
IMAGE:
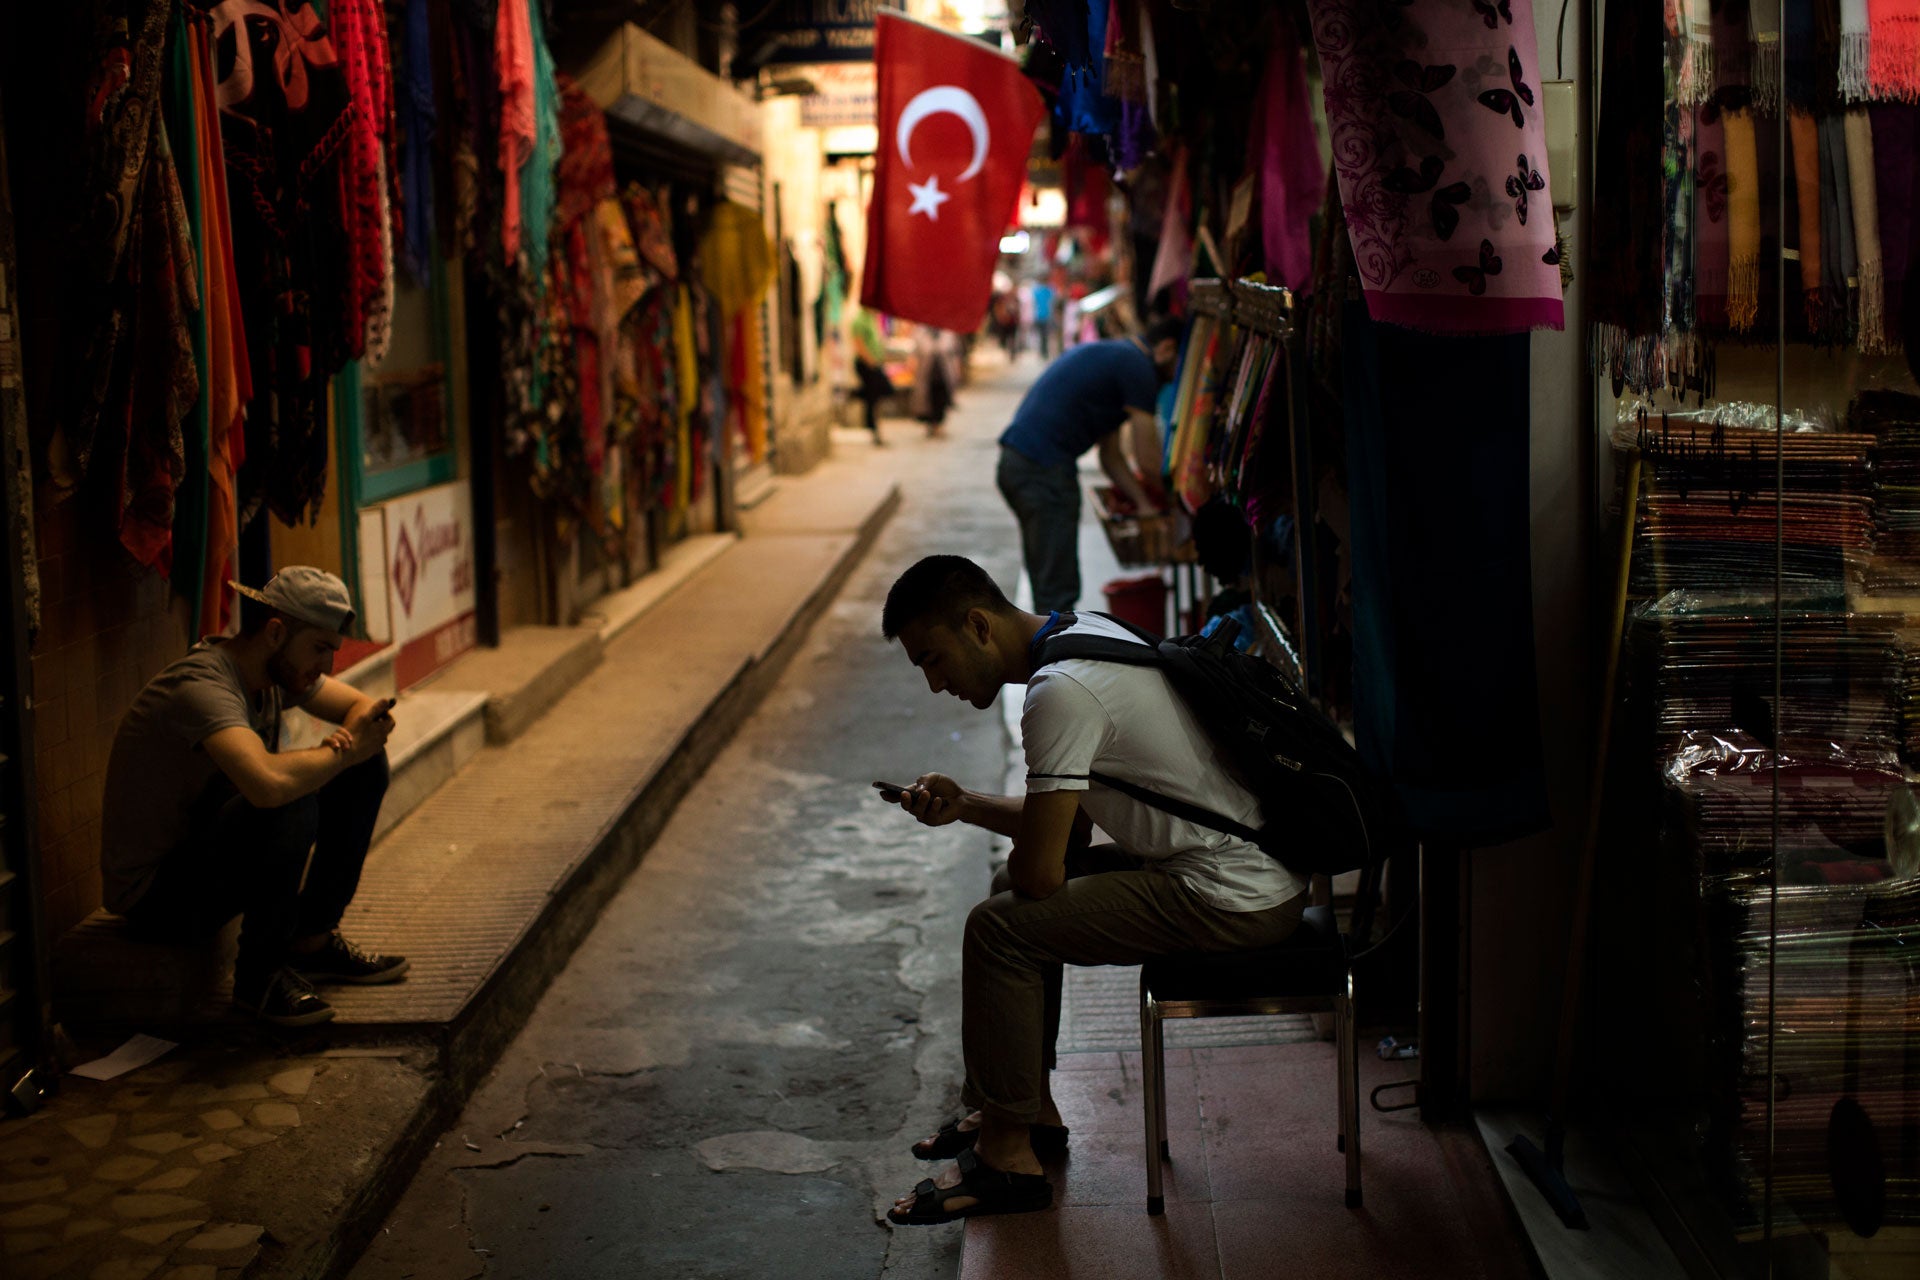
(342, 961)
(287, 1000)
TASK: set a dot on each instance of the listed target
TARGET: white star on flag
(927, 197)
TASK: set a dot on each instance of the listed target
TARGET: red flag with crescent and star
(956, 123)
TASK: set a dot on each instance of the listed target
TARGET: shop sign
(846, 93)
(814, 31)
(430, 587)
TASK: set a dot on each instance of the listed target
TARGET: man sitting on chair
(1167, 886)
(206, 818)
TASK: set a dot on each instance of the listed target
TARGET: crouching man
(1166, 886)
(206, 818)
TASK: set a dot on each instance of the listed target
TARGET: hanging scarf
(1626, 296)
(1693, 20)
(1805, 141)
(283, 130)
(1893, 61)
(360, 39)
(513, 70)
(229, 375)
(1712, 236)
(1764, 54)
(1896, 152)
(1840, 267)
(1282, 150)
(414, 122)
(1732, 45)
(1451, 223)
(536, 183)
(1854, 48)
(1743, 222)
(1174, 258)
(1866, 232)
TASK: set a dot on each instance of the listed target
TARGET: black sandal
(992, 1192)
(951, 1140)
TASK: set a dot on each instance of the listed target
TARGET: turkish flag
(956, 124)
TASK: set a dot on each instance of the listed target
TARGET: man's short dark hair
(1163, 329)
(942, 588)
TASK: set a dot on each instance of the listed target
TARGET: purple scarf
(1282, 149)
(1442, 160)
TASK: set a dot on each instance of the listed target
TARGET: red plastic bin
(1141, 600)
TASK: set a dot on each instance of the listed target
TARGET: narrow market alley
(724, 1081)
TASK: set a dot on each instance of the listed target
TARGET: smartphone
(383, 708)
(888, 790)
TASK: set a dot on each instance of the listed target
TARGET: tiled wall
(106, 627)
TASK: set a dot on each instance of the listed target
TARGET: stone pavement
(249, 1151)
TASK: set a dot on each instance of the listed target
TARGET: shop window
(398, 418)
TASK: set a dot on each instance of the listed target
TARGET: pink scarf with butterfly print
(1438, 143)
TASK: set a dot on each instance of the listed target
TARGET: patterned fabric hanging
(1441, 154)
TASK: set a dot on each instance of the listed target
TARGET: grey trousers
(1113, 909)
(1046, 502)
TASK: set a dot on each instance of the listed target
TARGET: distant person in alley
(206, 817)
(1165, 886)
(1081, 401)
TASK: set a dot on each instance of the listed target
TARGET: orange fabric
(513, 67)
(229, 374)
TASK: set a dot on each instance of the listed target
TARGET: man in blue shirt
(1081, 401)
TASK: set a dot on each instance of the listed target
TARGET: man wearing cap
(206, 818)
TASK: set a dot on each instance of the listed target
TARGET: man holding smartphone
(1166, 885)
(205, 817)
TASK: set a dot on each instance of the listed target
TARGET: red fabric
(935, 265)
(359, 33)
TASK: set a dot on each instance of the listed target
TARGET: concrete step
(530, 671)
(615, 612)
(435, 731)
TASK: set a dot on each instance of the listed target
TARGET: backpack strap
(1197, 814)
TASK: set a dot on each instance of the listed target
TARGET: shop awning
(661, 102)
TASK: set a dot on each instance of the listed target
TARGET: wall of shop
(1521, 895)
(106, 627)
(801, 414)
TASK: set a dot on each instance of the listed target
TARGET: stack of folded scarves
(1707, 518)
(1893, 420)
(1846, 1015)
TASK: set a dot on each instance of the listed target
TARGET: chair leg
(1151, 1064)
(1342, 1083)
(1160, 1093)
(1350, 1069)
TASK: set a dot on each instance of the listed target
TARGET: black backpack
(1325, 811)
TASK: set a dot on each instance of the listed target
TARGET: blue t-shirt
(1081, 398)
(1042, 303)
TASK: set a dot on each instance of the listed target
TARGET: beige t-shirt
(1083, 716)
(158, 772)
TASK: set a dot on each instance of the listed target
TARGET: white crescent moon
(953, 100)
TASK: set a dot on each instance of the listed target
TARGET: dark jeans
(1046, 502)
(875, 386)
(244, 861)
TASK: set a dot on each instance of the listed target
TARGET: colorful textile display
(1441, 155)
(283, 130)
(1893, 62)
(368, 199)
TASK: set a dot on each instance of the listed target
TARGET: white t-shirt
(1083, 716)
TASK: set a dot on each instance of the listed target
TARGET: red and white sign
(956, 123)
(430, 587)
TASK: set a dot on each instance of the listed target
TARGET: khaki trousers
(1113, 909)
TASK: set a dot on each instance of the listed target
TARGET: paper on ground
(131, 1056)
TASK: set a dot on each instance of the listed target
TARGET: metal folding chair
(1309, 973)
